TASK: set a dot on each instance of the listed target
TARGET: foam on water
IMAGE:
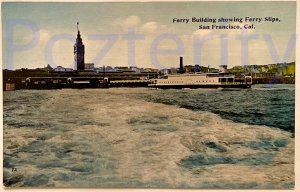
(114, 138)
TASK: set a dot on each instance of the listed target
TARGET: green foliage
(286, 69)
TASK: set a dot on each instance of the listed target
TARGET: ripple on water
(197, 160)
(151, 123)
(71, 142)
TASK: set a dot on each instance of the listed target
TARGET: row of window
(223, 80)
(205, 81)
(226, 80)
(171, 82)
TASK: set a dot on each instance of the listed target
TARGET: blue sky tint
(151, 20)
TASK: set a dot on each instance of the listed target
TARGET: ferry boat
(202, 80)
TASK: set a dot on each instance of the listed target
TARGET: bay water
(150, 138)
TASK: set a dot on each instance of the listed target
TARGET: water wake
(114, 138)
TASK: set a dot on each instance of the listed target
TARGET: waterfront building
(109, 69)
(62, 69)
(135, 69)
(173, 70)
(197, 68)
(122, 69)
(189, 69)
(79, 52)
(150, 70)
(223, 69)
(89, 66)
(165, 71)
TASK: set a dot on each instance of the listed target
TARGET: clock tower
(79, 52)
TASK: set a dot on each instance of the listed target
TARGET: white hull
(202, 80)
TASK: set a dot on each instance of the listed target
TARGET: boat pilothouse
(202, 80)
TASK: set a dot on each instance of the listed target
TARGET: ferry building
(79, 52)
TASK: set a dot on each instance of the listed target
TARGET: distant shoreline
(39, 79)
(273, 80)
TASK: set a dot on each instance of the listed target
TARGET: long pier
(130, 83)
(56, 82)
(70, 82)
(42, 79)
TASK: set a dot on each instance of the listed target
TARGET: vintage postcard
(171, 95)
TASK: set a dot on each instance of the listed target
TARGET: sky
(143, 34)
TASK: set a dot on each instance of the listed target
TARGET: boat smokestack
(181, 68)
(181, 61)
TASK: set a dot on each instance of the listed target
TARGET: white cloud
(44, 35)
(154, 27)
(202, 32)
(148, 28)
(132, 21)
